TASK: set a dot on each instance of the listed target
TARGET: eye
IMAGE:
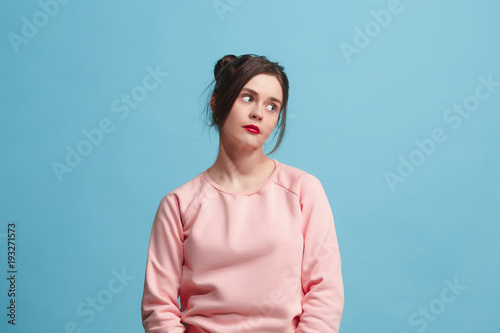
(272, 107)
(247, 98)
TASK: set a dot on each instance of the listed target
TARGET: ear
(212, 103)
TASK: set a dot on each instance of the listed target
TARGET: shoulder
(296, 180)
(187, 193)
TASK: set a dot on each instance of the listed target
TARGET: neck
(239, 166)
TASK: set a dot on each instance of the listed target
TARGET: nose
(256, 113)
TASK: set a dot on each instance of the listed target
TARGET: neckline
(220, 188)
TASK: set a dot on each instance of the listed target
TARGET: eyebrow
(256, 94)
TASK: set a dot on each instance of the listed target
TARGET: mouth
(252, 128)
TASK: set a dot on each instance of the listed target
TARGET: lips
(252, 128)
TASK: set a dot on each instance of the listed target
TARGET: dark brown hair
(231, 73)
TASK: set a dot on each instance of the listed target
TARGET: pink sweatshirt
(260, 261)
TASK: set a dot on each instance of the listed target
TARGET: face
(254, 114)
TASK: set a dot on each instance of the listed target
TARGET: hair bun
(221, 63)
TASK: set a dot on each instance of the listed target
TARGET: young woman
(249, 245)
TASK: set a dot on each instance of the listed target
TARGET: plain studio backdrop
(394, 106)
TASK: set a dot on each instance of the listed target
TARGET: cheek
(231, 117)
(232, 120)
(275, 122)
(271, 127)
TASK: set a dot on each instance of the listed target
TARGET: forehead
(266, 85)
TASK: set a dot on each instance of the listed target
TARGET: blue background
(353, 117)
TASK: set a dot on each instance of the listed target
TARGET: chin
(250, 145)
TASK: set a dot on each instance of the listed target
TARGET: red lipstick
(252, 128)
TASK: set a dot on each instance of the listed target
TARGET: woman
(249, 245)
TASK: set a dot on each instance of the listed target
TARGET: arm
(160, 308)
(322, 284)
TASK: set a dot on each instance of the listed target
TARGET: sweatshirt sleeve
(323, 302)
(160, 308)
